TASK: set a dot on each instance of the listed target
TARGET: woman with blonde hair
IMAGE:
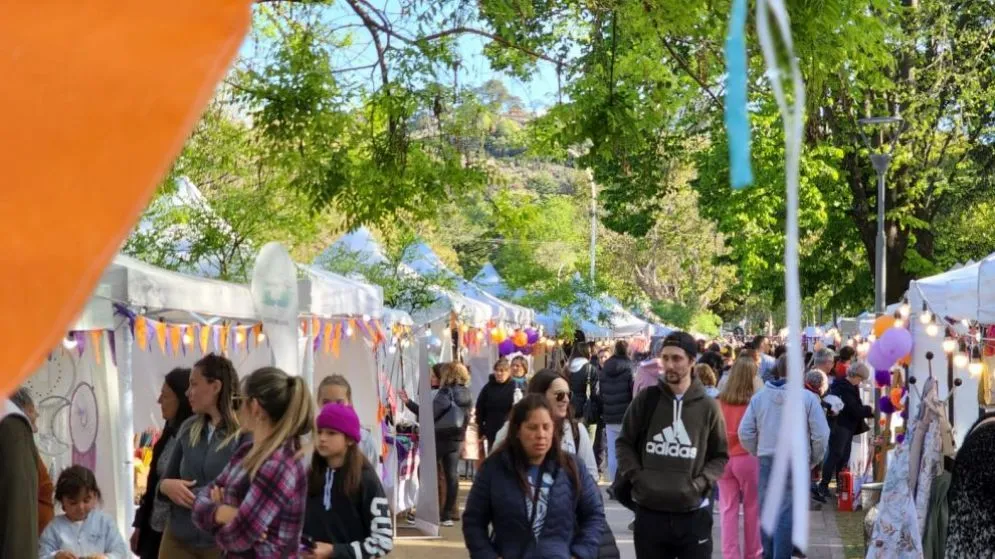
(451, 407)
(255, 508)
(205, 444)
(742, 474)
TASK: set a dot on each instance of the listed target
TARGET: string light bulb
(348, 331)
(69, 342)
(976, 368)
(899, 323)
(932, 330)
(926, 317)
(905, 310)
(261, 337)
(366, 318)
(961, 360)
(949, 346)
(187, 339)
(239, 337)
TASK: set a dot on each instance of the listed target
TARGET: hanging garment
(896, 531)
(985, 386)
(971, 523)
(934, 537)
(930, 467)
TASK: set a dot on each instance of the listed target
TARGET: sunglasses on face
(562, 396)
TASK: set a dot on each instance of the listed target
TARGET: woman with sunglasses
(575, 440)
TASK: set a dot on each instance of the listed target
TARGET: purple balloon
(507, 347)
(882, 377)
(532, 335)
(885, 405)
(893, 345)
(527, 350)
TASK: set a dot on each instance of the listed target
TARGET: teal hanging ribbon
(737, 121)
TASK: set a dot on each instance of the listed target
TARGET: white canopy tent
(361, 244)
(963, 293)
(125, 388)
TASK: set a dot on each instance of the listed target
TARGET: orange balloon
(98, 98)
(882, 324)
(520, 339)
(905, 361)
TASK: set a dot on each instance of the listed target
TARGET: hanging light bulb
(480, 335)
(899, 323)
(949, 346)
(348, 331)
(69, 342)
(187, 339)
(366, 318)
(261, 338)
(392, 349)
(239, 337)
(961, 360)
(976, 368)
(932, 330)
(904, 310)
(926, 317)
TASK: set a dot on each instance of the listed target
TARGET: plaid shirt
(270, 506)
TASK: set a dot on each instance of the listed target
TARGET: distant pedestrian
(740, 480)
(616, 380)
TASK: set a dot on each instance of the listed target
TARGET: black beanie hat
(684, 341)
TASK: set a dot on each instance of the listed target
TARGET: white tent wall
(481, 359)
(965, 400)
(54, 388)
(358, 365)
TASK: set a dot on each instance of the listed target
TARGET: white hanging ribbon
(792, 445)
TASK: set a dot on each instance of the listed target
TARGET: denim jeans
(776, 545)
(612, 431)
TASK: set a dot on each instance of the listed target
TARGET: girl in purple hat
(347, 510)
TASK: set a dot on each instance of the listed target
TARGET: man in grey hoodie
(672, 457)
(758, 433)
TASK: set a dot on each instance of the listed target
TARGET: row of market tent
(96, 394)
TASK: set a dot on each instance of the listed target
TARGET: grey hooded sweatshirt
(673, 458)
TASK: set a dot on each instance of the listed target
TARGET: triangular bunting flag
(257, 331)
(204, 336)
(160, 335)
(223, 343)
(337, 340)
(241, 339)
(176, 339)
(141, 333)
(315, 325)
(329, 336)
(96, 336)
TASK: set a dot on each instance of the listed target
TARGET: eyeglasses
(561, 396)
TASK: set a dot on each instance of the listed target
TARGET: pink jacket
(647, 374)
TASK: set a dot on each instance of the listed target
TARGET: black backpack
(621, 487)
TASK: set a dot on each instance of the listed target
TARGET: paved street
(825, 539)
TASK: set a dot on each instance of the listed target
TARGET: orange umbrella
(98, 98)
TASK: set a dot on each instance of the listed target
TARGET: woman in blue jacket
(535, 496)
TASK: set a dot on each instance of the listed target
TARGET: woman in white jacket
(575, 439)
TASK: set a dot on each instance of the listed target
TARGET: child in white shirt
(82, 531)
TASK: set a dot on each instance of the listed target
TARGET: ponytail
(287, 403)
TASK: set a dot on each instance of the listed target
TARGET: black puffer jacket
(582, 374)
(854, 413)
(493, 404)
(616, 388)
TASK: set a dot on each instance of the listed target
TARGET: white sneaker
(448, 523)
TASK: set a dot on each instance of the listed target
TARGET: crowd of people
(263, 468)
(250, 468)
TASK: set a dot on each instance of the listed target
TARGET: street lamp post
(881, 160)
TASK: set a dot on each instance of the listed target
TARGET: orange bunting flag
(315, 326)
(241, 333)
(337, 340)
(160, 335)
(257, 331)
(225, 330)
(205, 338)
(142, 332)
(137, 73)
(96, 339)
(176, 338)
(353, 327)
(188, 336)
(329, 335)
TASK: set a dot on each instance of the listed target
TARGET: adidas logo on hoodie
(673, 441)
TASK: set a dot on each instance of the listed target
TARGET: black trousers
(600, 446)
(450, 466)
(840, 443)
(673, 535)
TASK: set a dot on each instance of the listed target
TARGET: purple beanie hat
(341, 418)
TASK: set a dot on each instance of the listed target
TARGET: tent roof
(362, 243)
(961, 293)
(172, 295)
(325, 293)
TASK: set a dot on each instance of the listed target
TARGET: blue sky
(538, 92)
